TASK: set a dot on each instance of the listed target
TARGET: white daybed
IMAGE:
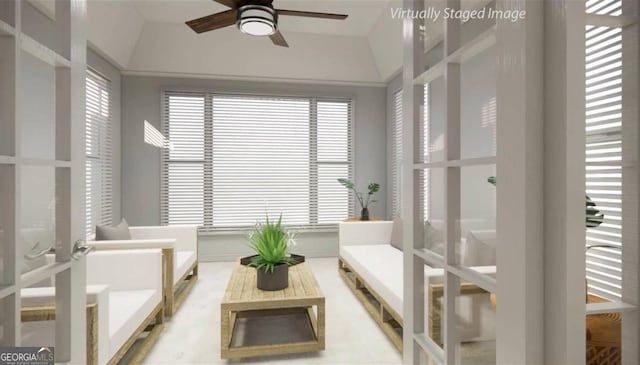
(124, 299)
(373, 269)
(179, 244)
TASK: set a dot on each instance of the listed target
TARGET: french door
(519, 193)
(42, 88)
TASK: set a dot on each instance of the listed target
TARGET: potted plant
(364, 203)
(271, 241)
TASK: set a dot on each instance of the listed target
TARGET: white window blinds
(98, 173)
(233, 158)
(604, 151)
(396, 153)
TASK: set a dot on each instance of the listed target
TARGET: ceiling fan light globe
(257, 20)
(257, 28)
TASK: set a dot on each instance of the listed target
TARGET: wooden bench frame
(176, 294)
(154, 323)
(388, 319)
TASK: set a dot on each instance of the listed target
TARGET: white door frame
(540, 158)
(68, 59)
(631, 183)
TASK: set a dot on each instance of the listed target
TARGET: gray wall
(141, 98)
(107, 70)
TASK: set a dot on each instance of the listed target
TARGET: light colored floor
(192, 336)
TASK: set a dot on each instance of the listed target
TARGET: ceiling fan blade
(230, 3)
(213, 21)
(311, 14)
(278, 39)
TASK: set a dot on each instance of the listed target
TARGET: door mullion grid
(451, 186)
(414, 303)
(13, 330)
(452, 165)
(70, 111)
(630, 184)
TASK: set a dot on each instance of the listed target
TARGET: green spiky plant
(593, 216)
(364, 202)
(271, 243)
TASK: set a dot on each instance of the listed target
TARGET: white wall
(113, 29)
(385, 40)
(365, 50)
(141, 97)
(165, 48)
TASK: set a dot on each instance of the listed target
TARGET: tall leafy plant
(271, 243)
(364, 201)
(593, 218)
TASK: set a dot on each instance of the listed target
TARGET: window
(98, 209)
(396, 154)
(604, 151)
(232, 158)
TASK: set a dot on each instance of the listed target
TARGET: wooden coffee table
(248, 313)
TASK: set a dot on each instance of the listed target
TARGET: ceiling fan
(255, 17)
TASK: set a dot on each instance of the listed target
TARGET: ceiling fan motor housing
(258, 20)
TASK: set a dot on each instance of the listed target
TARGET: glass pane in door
(476, 245)
(432, 129)
(476, 325)
(432, 204)
(37, 315)
(7, 194)
(478, 106)
(37, 215)
(38, 116)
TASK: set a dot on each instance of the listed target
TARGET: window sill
(246, 231)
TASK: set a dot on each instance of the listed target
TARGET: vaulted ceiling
(150, 37)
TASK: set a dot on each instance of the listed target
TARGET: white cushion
(434, 236)
(46, 296)
(381, 267)
(186, 236)
(127, 310)
(42, 333)
(118, 232)
(479, 249)
(183, 261)
(365, 233)
(396, 233)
